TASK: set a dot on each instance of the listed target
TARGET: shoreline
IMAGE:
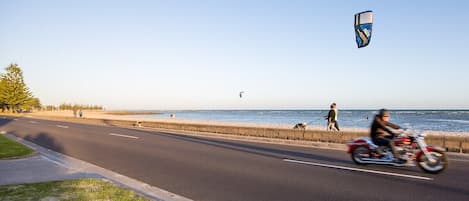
(131, 113)
(127, 116)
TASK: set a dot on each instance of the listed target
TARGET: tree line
(68, 106)
(16, 97)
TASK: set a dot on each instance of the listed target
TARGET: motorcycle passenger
(381, 135)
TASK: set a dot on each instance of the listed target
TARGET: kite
(363, 24)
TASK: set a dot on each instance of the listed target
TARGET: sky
(197, 54)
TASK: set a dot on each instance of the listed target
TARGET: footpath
(47, 165)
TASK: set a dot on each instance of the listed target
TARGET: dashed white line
(60, 126)
(33, 122)
(358, 169)
(15, 119)
(120, 135)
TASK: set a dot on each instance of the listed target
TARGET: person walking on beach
(329, 117)
(81, 114)
(74, 112)
(336, 114)
(332, 118)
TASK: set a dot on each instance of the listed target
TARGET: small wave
(451, 120)
(457, 112)
(404, 112)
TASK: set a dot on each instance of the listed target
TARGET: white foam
(451, 120)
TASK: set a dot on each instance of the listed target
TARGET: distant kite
(363, 24)
(241, 94)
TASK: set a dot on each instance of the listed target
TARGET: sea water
(436, 120)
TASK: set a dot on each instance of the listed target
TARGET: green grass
(81, 189)
(11, 149)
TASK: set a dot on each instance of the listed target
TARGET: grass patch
(10, 148)
(81, 189)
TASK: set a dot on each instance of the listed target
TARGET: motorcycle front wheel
(434, 167)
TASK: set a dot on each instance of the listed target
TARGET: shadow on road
(42, 139)
(5, 120)
(45, 140)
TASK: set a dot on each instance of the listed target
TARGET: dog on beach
(301, 126)
(137, 124)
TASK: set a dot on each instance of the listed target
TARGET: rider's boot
(399, 160)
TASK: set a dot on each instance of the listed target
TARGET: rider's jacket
(379, 130)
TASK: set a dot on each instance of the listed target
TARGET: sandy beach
(112, 116)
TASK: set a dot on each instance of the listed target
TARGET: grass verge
(12, 149)
(80, 189)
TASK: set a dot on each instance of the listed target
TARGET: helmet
(383, 113)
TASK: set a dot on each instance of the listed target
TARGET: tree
(32, 103)
(14, 93)
(2, 89)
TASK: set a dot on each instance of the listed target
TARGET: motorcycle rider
(381, 135)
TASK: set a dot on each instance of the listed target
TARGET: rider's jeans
(386, 142)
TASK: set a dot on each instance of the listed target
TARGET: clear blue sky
(200, 54)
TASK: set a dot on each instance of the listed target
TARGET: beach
(141, 117)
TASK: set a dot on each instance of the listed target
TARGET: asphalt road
(219, 169)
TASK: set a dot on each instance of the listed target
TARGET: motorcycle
(411, 148)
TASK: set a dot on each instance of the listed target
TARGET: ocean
(435, 120)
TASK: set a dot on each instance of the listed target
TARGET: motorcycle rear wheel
(359, 153)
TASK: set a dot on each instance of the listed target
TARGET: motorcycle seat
(370, 142)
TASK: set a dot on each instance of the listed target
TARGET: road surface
(202, 168)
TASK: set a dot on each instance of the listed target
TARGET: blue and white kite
(363, 24)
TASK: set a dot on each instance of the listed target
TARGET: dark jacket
(379, 130)
(331, 116)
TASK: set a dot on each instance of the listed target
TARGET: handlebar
(408, 132)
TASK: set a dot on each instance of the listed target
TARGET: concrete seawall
(459, 144)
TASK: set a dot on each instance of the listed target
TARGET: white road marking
(60, 126)
(33, 122)
(358, 169)
(120, 135)
(15, 119)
